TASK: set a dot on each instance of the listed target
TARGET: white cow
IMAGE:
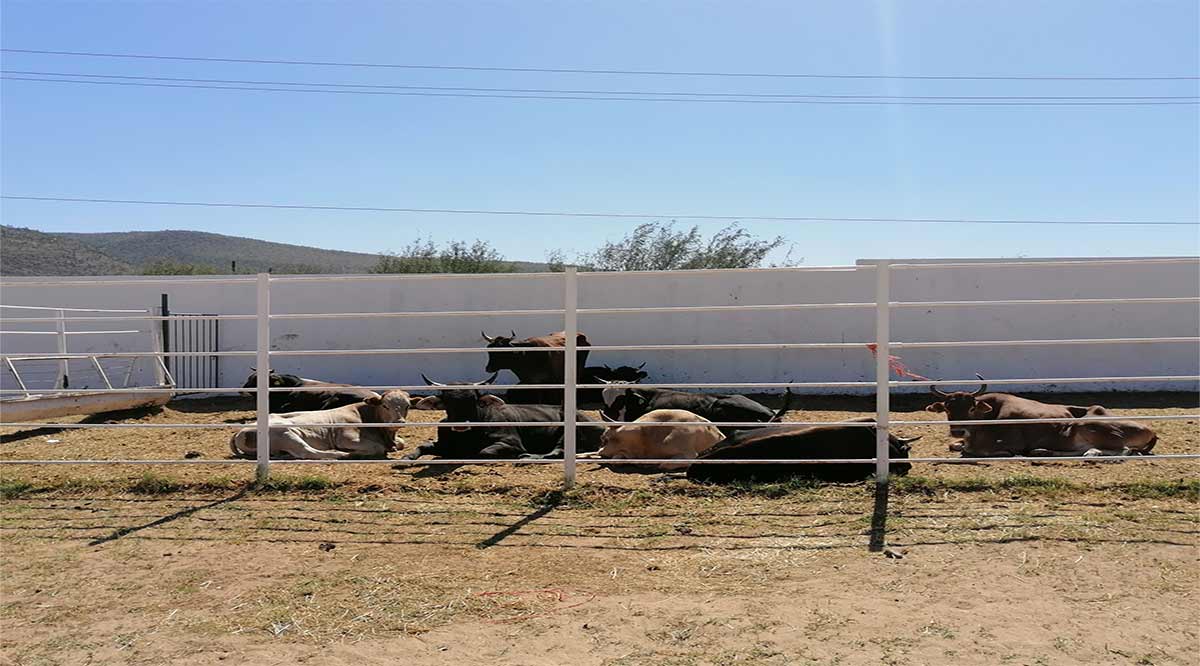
(313, 436)
(684, 441)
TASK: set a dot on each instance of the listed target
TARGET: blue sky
(1134, 163)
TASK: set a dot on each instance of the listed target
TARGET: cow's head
(498, 361)
(391, 407)
(274, 380)
(622, 374)
(623, 405)
(961, 406)
(461, 401)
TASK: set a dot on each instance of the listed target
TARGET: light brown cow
(1068, 438)
(313, 435)
(633, 441)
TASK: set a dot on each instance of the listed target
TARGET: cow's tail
(787, 404)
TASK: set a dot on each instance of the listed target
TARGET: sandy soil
(1065, 563)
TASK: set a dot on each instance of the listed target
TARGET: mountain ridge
(29, 252)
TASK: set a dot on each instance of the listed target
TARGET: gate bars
(570, 312)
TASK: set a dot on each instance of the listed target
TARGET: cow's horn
(486, 337)
(430, 382)
(603, 380)
(983, 388)
(938, 392)
(513, 333)
(606, 417)
(642, 365)
(490, 380)
(908, 440)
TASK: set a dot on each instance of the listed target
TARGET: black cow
(534, 367)
(622, 403)
(335, 395)
(802, 443)
(464, 403)
(602, 374)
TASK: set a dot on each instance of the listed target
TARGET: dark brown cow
(1103, 438)
(536, 367)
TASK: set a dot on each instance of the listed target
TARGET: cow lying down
(638, 441)
(327, 396)
(313, 435)
(799, 442)
(469, 408)
(1080, 438)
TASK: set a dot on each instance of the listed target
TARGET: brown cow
(633, 441)
(534, 367)
(1101, 438)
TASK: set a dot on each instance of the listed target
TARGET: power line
(559, 91)
(838, 102)
(567, 70)
(579, 214)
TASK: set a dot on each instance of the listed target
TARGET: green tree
(425, 256)
(657, 246)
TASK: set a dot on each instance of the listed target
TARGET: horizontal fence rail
(881, 345)
(604, 424)
(617, 461)
(656, 385)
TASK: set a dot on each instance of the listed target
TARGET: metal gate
(192, 332)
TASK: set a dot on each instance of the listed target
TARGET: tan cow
(313, 435)
(633, 441)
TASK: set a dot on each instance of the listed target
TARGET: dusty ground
(1065, 563)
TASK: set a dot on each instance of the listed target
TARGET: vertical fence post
(166, 330)
(262, 372)
(64, 367)
(882, 369)
(570, 372)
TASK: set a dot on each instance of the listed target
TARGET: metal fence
(882, 346)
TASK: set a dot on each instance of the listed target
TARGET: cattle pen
(378, 561)
(882, 347)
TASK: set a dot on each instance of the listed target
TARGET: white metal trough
(36, 404)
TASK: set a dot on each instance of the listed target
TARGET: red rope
(897, 366)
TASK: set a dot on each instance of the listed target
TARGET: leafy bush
(454, 257)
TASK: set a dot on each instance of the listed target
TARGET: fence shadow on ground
(240, 517)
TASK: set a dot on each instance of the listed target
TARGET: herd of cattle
(322, 420)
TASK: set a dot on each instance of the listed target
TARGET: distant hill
(29, 252)
(217, 251)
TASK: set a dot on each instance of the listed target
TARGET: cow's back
(800, 443)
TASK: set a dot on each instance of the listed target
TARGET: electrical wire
(545, 213)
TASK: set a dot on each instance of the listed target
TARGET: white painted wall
(847, 284)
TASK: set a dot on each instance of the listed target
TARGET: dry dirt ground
(1061, 563)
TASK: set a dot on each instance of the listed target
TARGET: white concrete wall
(849, 284)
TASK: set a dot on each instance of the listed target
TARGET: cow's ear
(982, 408)
(428, 402)
(374, 400)
(490, 400)
(936, 408)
